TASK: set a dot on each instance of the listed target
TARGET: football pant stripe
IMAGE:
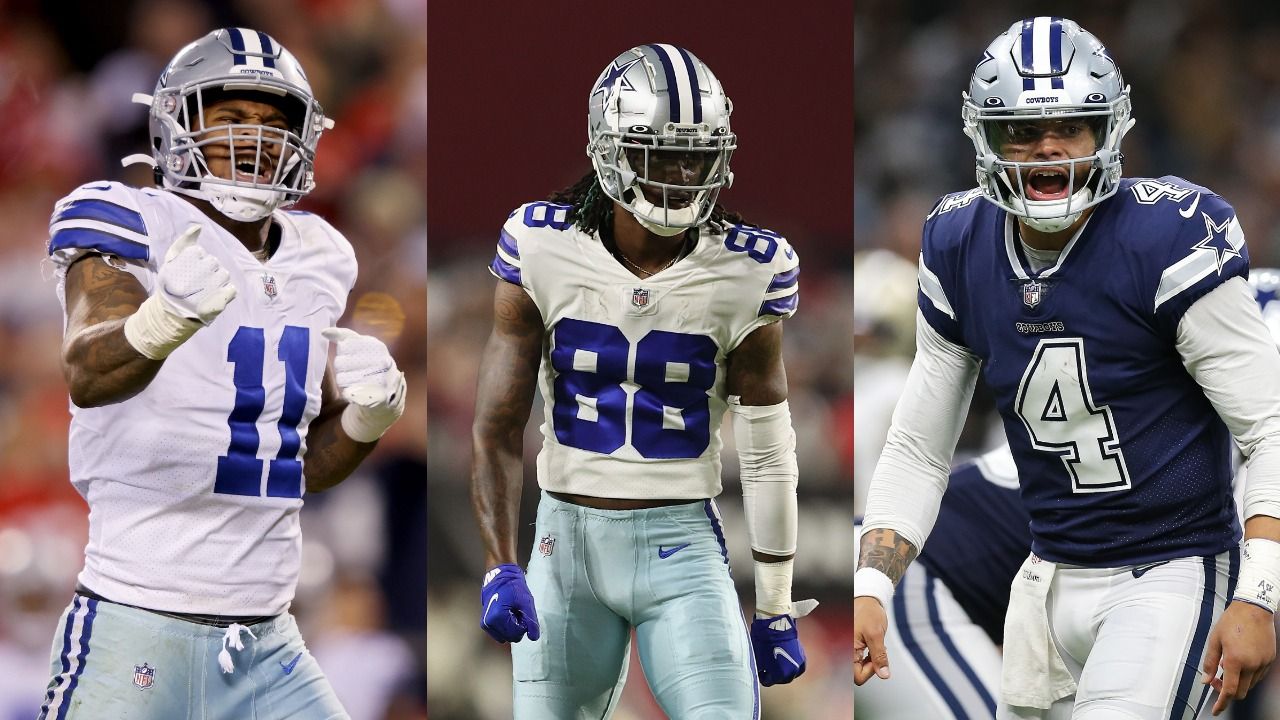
(755, 674)
(85, 634)
(102, 211)
(913, 587)
(945, 638)
(1182, 700)
(1233, 571)
(105, 242)
(713, 514)
(65, 657)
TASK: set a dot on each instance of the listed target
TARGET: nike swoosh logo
(1140, 571)
(492, 599)
(779, 652)
(1189, 211)
(288, 669)
(664, 554)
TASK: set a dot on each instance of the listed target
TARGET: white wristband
(870, 582)
(155, 331)
(773, 587)
(1260, 574)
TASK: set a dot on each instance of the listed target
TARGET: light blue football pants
(118, 662)
(596, 574)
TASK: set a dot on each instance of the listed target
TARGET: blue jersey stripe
(268, 51)
(903, 621)
(86, 632)
(784, 279)
(508, 243)
(673, 90)
(780, 306)
(103, 242)
(237, 46)
(103, 211)
(694, 90)
(1190, 668)
(935, 619)
(505, 270)
(715, 525)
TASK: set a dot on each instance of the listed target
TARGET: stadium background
(67, 70)
(1205, 78)
(508, 125)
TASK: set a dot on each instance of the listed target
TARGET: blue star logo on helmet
(613, 74)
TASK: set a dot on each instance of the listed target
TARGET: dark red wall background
(508, 97)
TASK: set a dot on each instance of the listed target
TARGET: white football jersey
(633, 370)
(195, 483)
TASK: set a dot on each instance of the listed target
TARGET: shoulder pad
(778, 260)
(524, 224)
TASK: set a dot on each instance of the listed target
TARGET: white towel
(1033, 674)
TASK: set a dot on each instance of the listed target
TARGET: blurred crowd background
(520, 134)
(67, 71)
(1205, 80)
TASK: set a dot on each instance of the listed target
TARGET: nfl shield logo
(269, 285)
(640, 297)
(546, 546)
(143, 676)
(1031, 293)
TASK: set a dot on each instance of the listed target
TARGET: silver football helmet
(1046, 68)
(271, 167)
(658, 136)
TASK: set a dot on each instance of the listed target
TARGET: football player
(1112, 320)
(199, 319)
(643, 310)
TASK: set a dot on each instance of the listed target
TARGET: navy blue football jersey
(1122, 459)
(980, 541)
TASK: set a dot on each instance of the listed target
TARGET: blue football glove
(507, 612)
(776, 644)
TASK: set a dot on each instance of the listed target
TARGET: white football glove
(192, 288)
(369, 381)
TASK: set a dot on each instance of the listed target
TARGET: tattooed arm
(508, 375)
(885, 550)
(331, 456)
(99, 364)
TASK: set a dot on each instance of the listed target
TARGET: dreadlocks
(592, 210)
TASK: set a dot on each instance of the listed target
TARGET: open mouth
(248, 171)
(1049, 183)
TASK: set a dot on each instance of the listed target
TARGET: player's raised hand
(1243, 643)
(369, 381)
(776, 643)
(192, 282)
(869, 625)
(192, 288)
(506, 605)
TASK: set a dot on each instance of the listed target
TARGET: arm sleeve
(908, 483)
(1227, 348)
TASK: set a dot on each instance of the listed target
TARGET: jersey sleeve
(99, 217)
(937, 291)
(1208, 249)
(777, 265)
(506, 260)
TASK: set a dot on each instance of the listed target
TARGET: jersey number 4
(670, 412)
(240, 470)
(1056, 405)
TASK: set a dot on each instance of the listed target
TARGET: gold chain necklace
(647, 273)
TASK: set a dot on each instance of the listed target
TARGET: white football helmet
(271, 167)
(658, 120)
(1046, 68)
